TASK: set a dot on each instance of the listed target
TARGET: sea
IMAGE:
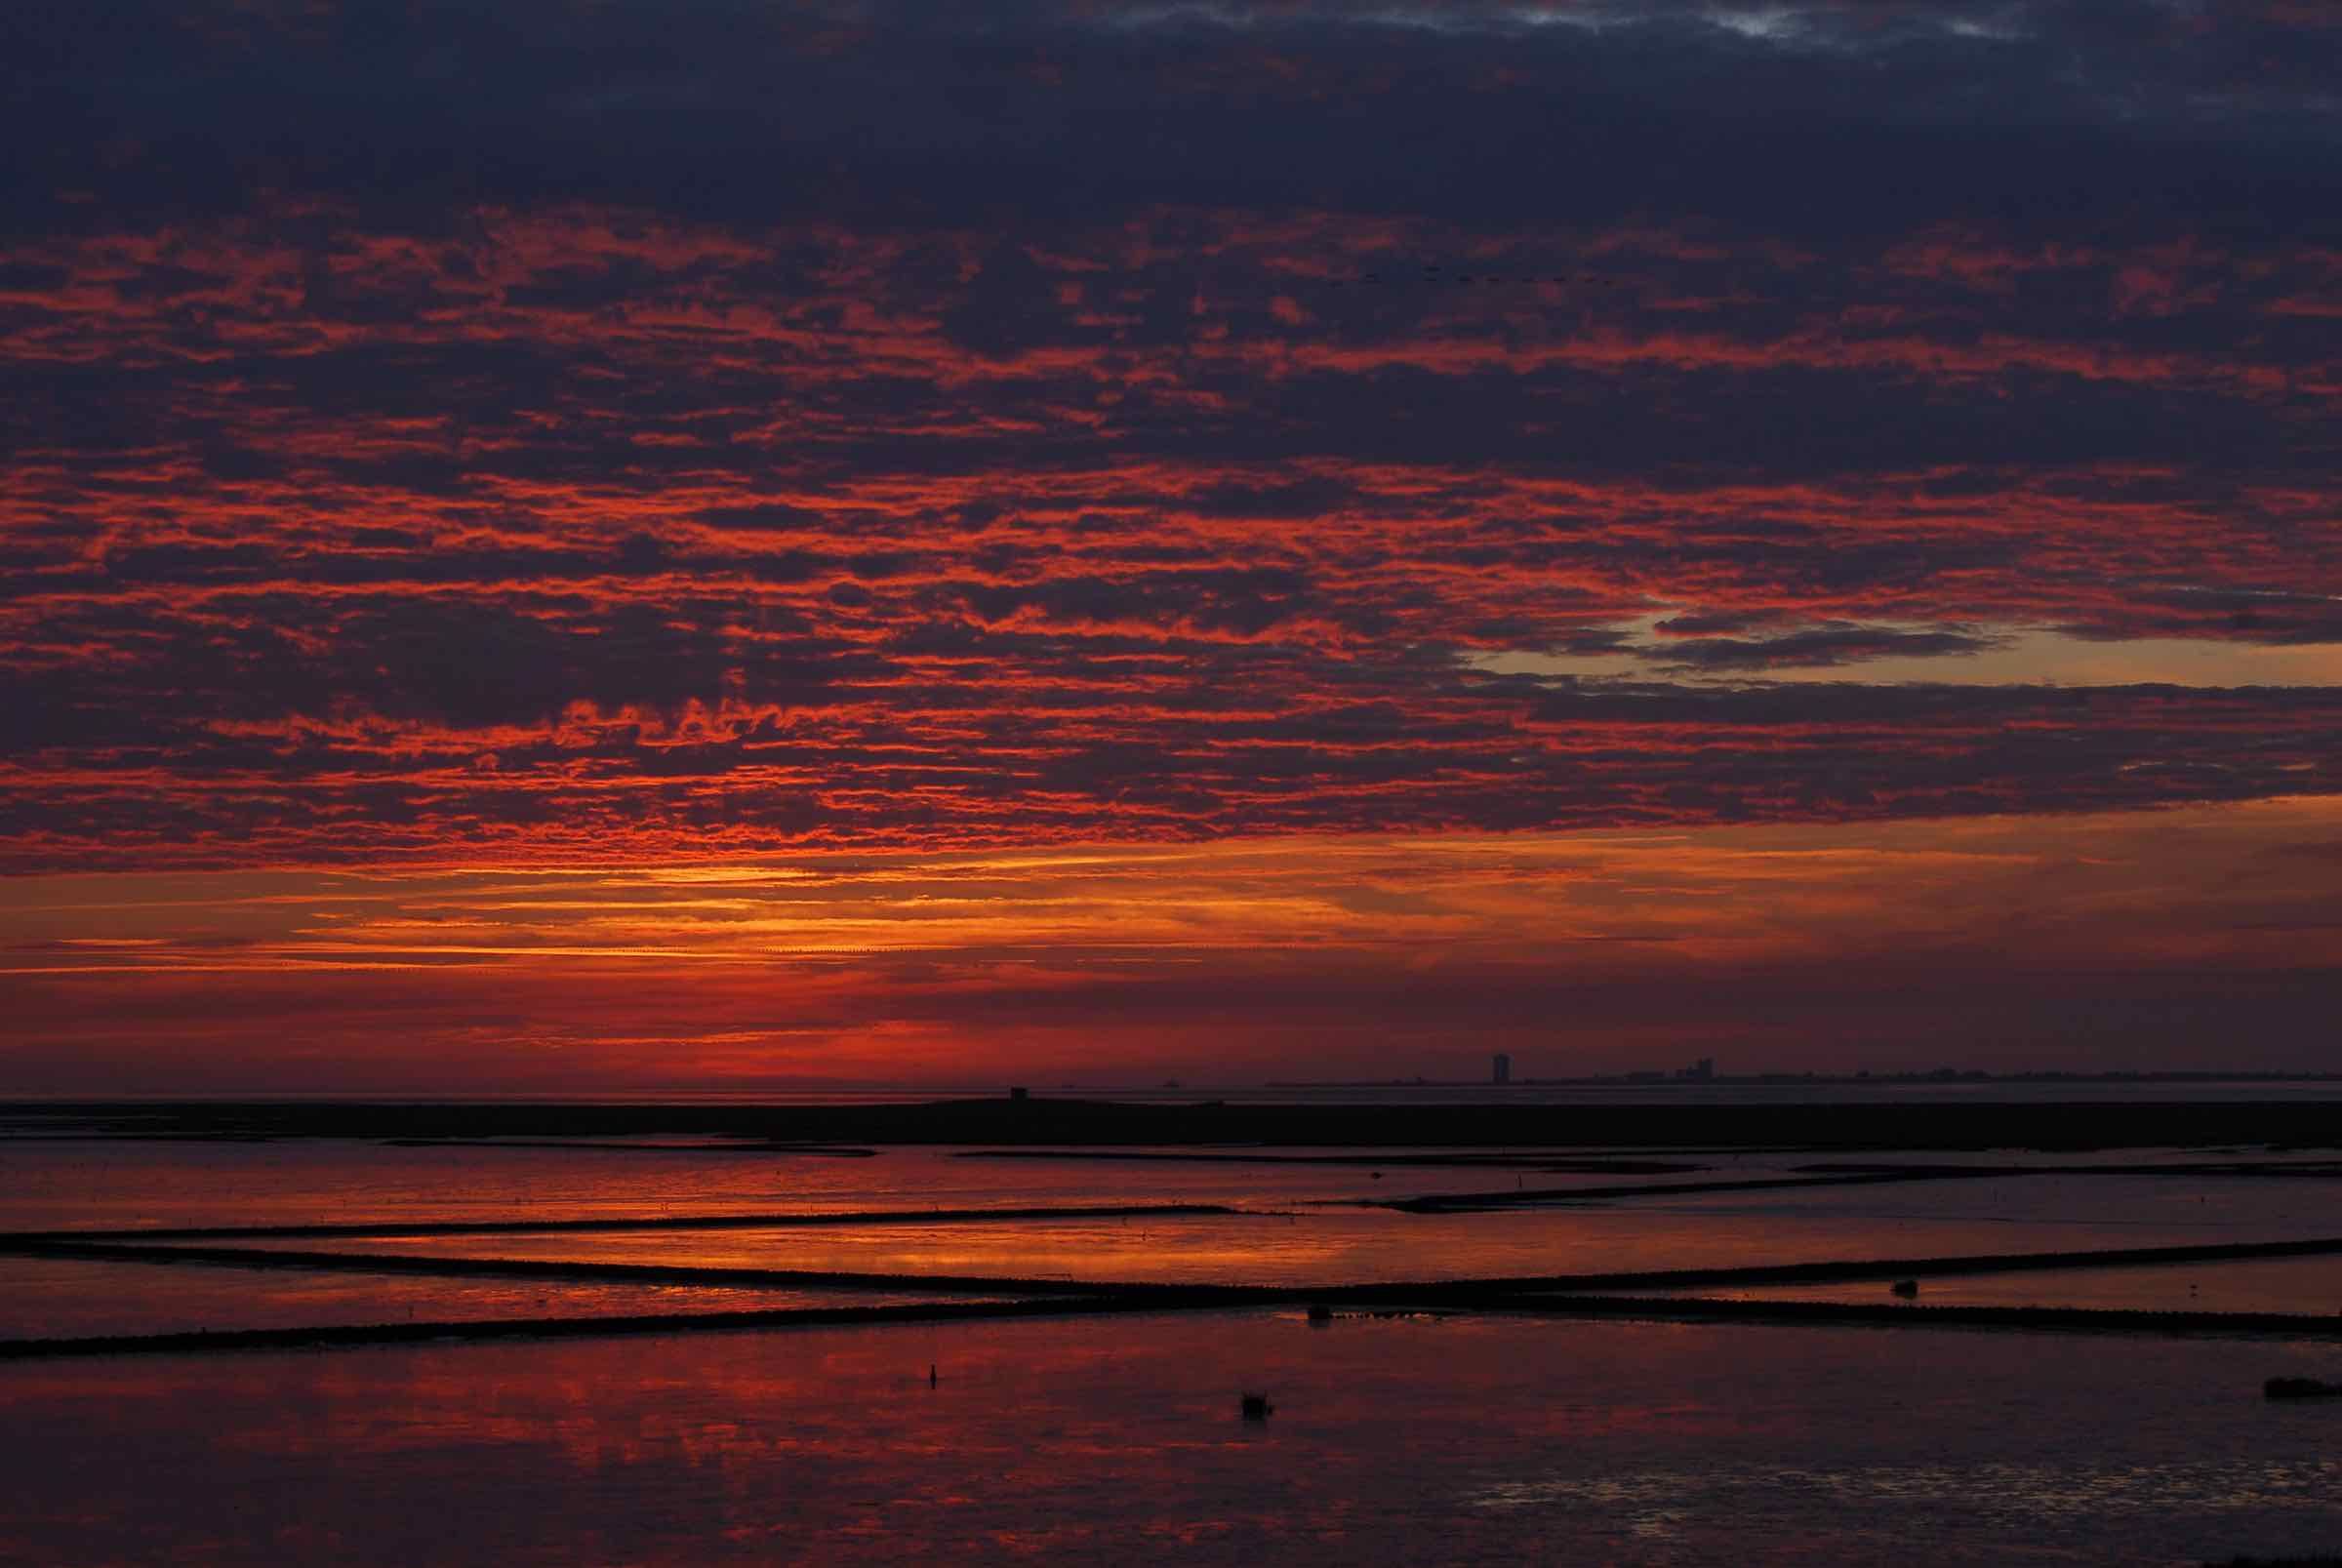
(147, 1417)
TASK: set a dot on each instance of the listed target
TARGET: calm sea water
(1456, 1439)
(1424, 1442)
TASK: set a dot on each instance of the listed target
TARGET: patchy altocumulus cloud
(644, 430)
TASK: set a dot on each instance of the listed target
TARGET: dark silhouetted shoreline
(1009, 1123)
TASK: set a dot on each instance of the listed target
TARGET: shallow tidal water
(57, 1298)
(1395, 1440)
(1480, 1439)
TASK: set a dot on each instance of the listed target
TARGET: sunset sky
(561, 546)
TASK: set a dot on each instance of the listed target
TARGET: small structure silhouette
(1906, 1288)
(1256, 1407)
(1320, 1312)
(2301, 1389)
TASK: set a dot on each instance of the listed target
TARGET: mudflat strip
(1434, 1291)
(2033, 1319)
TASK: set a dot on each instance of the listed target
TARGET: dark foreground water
(1392, 1441)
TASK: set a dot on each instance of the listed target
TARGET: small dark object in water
(931, 1374)
(1257, 1407)
(2301, 1389)
(1905, 1287)
(1320, 1312)
(1378, 1176)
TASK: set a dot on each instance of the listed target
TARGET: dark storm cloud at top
(1813, 120)
(637, 428)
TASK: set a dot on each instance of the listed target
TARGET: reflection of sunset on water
(1487, 1440)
